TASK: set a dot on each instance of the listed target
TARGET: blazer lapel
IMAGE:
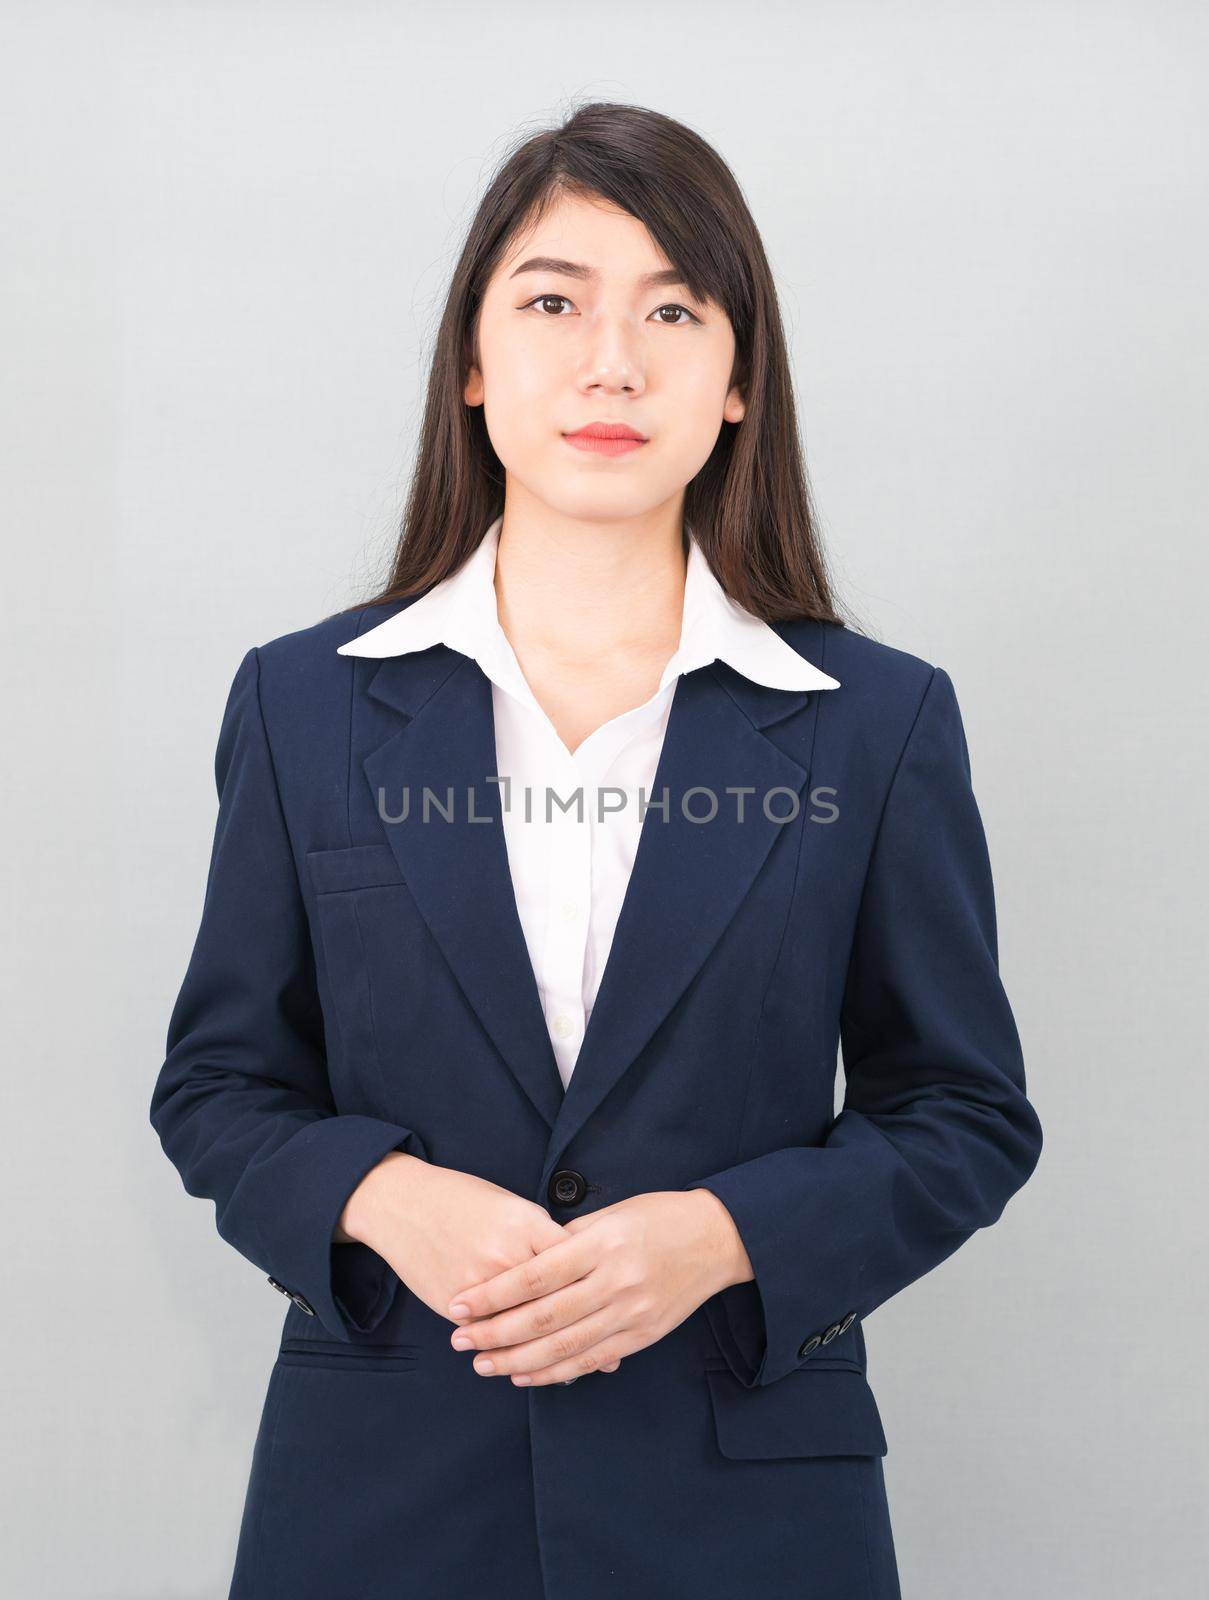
(688, 877)
(457, 871)
(688, 880)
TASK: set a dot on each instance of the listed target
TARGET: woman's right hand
(442, 1230)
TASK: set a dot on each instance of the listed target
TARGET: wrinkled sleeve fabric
(242, 1104)
(936, 1133)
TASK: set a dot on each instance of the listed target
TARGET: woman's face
(574, 330)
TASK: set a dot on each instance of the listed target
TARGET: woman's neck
(569, 593)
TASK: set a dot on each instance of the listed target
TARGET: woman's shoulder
(319, 641)
(303, 669)
(870, 671)
(888, 699)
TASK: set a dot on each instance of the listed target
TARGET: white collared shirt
(572, 820)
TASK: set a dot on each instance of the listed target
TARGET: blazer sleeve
(936, 1133)
(242, 1105)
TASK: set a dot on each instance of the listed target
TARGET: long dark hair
(749, 507)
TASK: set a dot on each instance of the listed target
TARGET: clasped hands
(612, 1283)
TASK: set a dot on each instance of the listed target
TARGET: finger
(602, 1357)
(552, 1268)
(534, 1319)
(564, 1347)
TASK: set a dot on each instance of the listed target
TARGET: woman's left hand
(618, 1280)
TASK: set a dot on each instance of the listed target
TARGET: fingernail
(521, 1378)
(459, 1309)
(463, 1343)
(484, 1364)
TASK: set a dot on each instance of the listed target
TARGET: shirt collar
(461, 612)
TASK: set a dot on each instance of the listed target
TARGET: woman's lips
(601, 446)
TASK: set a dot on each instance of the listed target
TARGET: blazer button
(847, 1322)
(811, 1345)
(831, 1332)
(299, 1300)
(567, 1188)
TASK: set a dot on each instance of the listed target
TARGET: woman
(503, 1101)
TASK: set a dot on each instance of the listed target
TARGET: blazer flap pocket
(360, 866)
(820, 1411)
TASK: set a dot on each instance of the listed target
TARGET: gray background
(227, 232)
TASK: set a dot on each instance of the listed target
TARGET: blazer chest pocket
(375, 948)
(817, 1411)
(360, 866)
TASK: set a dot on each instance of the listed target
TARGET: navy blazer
(360, 985)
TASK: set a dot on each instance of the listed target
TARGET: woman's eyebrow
(665, 277)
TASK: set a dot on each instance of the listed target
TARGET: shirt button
(564, 1027)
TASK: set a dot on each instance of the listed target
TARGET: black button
(847, 1322)
(567, 1188)
(831, 1332)
(279, 1286)
(811, 1345)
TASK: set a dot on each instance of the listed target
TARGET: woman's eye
(561, 299)
(545, 299)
